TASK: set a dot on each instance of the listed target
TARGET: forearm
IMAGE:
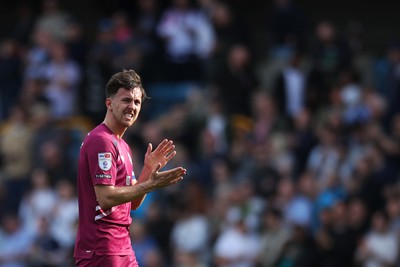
(111, 196)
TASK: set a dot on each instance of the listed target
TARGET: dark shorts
(108, 261)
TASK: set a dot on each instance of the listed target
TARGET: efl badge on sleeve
(105, 161)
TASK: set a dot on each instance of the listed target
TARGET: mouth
(128, 115)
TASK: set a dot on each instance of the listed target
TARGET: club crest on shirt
(105, 161)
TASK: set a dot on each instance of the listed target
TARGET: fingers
(168, 149)
(163, 143)
(169, 177)
(177, 180)
(175, 172)
(166, 146)
(170, 156)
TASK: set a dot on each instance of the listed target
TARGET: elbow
(105, 203)
(105, 196)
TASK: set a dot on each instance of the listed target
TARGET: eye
(137, 102)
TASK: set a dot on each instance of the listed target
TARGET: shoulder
(99, 138)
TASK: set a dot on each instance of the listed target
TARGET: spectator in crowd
(237, 79)
(230, 29)
(266, 121)
(386, 79)
(274, 236)
(16, 138)
(362, 58)
(188, 39)
(144, 243)
(37, 54)
(161, 214)
(329, 56)
(101, 56)
(380, 246)
(260, 171)
(15, 242)
(291, 87)
(45, 250)
(236, 245)
(392, 208)
(296, 208)
(386, 150)
(53, 20)
(38, 202)
(123, 31)
(64, 216)
(357, 218)
(365, 184)
(76, 43)
(53, 160)
(300, 250)
(302, 139)
(62, 77)
(221, 196)
(44, 127)
(191, 217)
(324, 157)
(339, 244)
(286, 28)
(221, 175)
(212, 148)
(146, 40)
(10, 75)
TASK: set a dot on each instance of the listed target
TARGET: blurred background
(285, 113)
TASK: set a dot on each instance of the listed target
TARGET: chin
(127, 124)
(130, 123)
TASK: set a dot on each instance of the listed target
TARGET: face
(125, 106)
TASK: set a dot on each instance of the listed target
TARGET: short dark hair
(127, 79)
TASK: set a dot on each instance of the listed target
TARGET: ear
(108, 104)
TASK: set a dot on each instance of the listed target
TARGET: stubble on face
(126, 106)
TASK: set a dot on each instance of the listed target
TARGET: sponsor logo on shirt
(105, 161)
(102, 176)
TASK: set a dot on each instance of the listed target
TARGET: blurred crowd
(293, 152)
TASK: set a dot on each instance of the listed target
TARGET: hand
(159, 179)
(161, 155)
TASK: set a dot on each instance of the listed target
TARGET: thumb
(156, 169)
(149, 148)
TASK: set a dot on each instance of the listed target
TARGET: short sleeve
(102, 159)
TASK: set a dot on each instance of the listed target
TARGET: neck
(115, 128)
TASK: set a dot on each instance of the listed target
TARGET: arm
(150, 179)
(110, 196)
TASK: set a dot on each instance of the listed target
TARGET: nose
(132, 105)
